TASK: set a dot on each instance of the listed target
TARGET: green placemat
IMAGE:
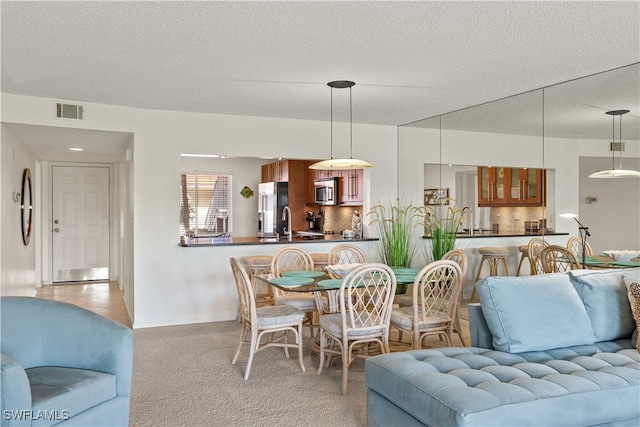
(291, 281)
(330, 283)
(626, 263)
(304, 273)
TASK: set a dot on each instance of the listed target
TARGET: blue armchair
(63, 365)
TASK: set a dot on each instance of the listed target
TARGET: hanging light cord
(350, 125)
(331, 150)
(613, 142)
(620, 136)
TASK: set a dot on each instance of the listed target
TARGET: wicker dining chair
(574, 244)
(293, 258)
(460, 257)
(363, 318)
(535, 247)
(558, 259)
(264, 320)
(346, 254)
(436, 291)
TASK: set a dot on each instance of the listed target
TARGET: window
(205, 204)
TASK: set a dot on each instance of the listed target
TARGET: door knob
(56, 221)
(56, 229)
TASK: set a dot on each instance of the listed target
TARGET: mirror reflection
(516, 163)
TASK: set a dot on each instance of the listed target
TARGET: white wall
(167, 284)
(17, 262)
(182, 285)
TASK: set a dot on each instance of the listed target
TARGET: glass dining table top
(314, 281)
(603, 261)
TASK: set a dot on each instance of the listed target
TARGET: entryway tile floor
(104, 298)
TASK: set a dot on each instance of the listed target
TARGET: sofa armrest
(15, 394)
(478, 328)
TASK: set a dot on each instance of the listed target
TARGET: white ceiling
(410, 60)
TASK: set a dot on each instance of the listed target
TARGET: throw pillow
(532, 313)
(604, 295)
(634, 300)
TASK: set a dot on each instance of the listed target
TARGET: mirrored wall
(561, 130)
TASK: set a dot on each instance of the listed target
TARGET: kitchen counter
(480, 234)
(231, 241)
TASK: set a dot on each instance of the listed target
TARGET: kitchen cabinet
(500, 186)
(276, 172)
(295, 173)
(351, 187)
(327, 174)
(526, 187)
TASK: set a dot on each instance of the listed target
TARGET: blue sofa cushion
(604, 295)
(480, 387)
(65, 392)
(534, 313)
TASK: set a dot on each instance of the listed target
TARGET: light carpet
(183, 376)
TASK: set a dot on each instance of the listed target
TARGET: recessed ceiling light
(202, 155)
(76, 149)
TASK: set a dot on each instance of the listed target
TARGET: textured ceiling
(410, 60)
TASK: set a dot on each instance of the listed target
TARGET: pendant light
(613, 172)
(341, 164)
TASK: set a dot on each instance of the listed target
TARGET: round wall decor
(26, 206)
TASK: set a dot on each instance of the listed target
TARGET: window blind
(205, 204)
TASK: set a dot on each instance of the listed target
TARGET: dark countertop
(231, 241)
(480, 234)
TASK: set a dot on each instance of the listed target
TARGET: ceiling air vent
(616, 146)
(69, 111)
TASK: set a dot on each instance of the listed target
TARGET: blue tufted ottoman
(582, 385)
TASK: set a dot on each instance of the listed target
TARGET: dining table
(321, 283)
(604, 261)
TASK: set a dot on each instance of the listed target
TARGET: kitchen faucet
(470, 219)
(286, 214)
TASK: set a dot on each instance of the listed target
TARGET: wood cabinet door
(492, 186)
(310, 196)
(351, 187)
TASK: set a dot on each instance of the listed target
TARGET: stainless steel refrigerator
(272, 198)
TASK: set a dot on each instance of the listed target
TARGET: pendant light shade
(613, 172)
(341, 164)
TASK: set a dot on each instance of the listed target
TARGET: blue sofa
(549, 350)
(62, 365)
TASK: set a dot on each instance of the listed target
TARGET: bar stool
(258, 264)
(524, 254)
(320, 261)
(493, 256)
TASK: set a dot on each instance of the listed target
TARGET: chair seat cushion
(403, 317)
(72, 390)
(404, 300)
(332, 323)
(302, 302)
(276, 315)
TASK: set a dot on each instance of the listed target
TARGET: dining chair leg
(322, 344)
(299, 342)
(252, 349)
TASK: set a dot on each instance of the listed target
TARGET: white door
(80, 229)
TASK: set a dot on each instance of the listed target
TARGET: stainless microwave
(326, 191)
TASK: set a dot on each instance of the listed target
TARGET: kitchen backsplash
(337, 218)
(512, 219)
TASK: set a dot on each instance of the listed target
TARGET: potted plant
(398, 228)
(441, 224)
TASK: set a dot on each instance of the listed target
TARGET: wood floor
(104, 298)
